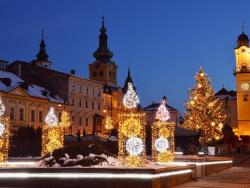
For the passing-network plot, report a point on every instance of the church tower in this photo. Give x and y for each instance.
(242, 74)
(42, 56)
(103, 69)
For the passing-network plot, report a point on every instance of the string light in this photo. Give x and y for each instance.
(65, 120)
(108, 123)
(163, 135)
(2, 107)
(52, 132)
(162, 113)
(51, 119)
(130, 100)
(134, 146)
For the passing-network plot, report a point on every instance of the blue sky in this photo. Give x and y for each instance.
(163, 42)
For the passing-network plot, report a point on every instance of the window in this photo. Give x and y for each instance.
(21, 114)
(80, 121)
(94, 74)
(60, 116)
(99, 93)
(32, 115)
(109, 73)
(12, 113)
(87, 122)
(93, 105)
(80, 89)
(87, 90)
(101, 73)
(86, 104)
(99, 106)
(93, 91)
(40, 114)
(73, 102)
(73, 118)
(73, 87)
(114, 74)
(80, 103)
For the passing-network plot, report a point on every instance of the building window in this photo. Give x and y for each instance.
(245, 97)
(93, 91)
(73, 102)
(93, 105)
(80, 121)
(80, 103)
(73, 118)
(32, 115)
(21, 114)
(101, 73)
(87, 122)
(73, 87)
(99, 93)
(110, 74)
(94, 74)
(86, 104)
(12, 113)
(87, 90)
(114, 74)
(99, 106)
(40, 113)
(60, 116)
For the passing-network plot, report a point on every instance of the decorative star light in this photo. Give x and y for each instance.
(2, 107)
(162, 113)
(131, 99)
(51, 119)
(2, 129)
(134, 146)
(161, 144)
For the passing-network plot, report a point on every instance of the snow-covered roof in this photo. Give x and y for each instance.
(10, 81)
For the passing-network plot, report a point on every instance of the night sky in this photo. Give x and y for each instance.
(163, 42)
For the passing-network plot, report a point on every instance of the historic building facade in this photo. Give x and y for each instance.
(242, 75)
(26, 104)
(82, 98)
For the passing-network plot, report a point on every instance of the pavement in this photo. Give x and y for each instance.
(236, 177)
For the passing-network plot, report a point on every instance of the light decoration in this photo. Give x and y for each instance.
(108, 123)
(134, 146)
(65, 120)
(206, 113)
(51, 119)
(130, 99)
(131, 131)
(53, 132)
(163, 135)
(4, 134)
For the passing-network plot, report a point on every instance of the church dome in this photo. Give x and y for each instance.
(243, 40)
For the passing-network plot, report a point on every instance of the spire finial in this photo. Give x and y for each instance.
(103, 21)
(242, 26)
(42, 31)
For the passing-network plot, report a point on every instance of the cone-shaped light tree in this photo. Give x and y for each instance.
(204, 112)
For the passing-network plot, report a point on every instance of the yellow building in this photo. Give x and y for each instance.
(26, 104)
(242, 74)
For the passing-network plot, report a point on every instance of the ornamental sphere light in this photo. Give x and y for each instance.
(161, 144)
(134, 146)
(51, 119)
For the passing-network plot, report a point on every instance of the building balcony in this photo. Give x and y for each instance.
(243, 69)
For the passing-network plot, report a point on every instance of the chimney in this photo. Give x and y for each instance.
(72, 71)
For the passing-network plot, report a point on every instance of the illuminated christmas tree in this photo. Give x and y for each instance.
(131, 99)
(65, 120)
(203, 110)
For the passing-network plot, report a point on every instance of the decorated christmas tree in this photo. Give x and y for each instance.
(203, 110)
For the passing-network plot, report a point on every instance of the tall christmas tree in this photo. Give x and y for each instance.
(203, 110)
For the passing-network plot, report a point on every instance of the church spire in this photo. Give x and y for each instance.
(42, 54)
(103, 53)
(128, 80)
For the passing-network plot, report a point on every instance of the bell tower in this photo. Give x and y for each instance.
(103, 69)
(242, 74)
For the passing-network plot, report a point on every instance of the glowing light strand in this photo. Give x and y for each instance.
(130, 100)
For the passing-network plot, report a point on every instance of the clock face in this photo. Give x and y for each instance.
(244, 86)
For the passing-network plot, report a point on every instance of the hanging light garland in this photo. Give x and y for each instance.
(163, 135)
(52, 132)
(4, 134)
(131, 131)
